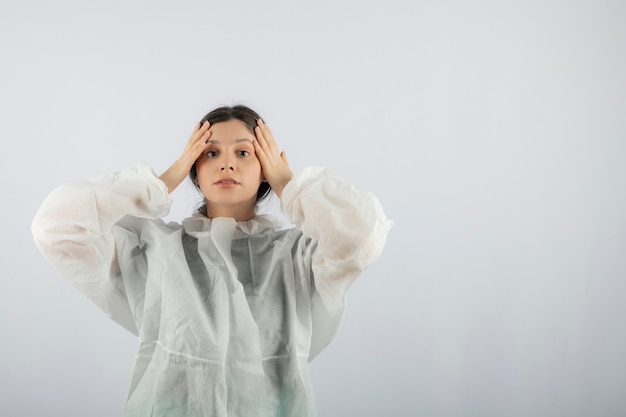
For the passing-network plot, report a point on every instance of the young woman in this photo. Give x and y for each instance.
(228, 306)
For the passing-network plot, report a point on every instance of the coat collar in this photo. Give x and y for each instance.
(199, 224)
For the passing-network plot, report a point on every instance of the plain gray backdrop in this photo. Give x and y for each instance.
(493, 133)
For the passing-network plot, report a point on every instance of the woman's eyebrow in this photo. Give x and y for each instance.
(217, 142)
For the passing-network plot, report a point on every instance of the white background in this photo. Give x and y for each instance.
(493, 133)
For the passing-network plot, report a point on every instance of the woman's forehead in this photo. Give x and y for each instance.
(231, 131)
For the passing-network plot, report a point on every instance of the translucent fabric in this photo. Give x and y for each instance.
(227, 314)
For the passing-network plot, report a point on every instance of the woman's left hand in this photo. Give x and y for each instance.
(273, 163)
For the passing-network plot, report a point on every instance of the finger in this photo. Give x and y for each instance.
(267, 133)
(262, 130)
(204, 140)
(202, 144)
(202, 133)
(260, 137)
(207, 134)
(260, 152)
(267, 142)
(196, 134)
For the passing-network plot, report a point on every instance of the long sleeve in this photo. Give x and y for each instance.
(350, 230)
(73, 229)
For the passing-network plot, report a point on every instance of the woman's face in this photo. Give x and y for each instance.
(229, 172)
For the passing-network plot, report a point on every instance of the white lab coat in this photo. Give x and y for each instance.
(227, 314)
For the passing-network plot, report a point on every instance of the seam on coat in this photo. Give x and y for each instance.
(168, 350)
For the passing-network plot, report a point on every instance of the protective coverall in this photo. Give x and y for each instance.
(227, 313)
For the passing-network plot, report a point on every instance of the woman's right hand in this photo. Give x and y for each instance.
(196, 145)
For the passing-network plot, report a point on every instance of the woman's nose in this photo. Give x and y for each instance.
(227, 166)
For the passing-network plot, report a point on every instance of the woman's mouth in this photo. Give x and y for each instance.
(226, 183)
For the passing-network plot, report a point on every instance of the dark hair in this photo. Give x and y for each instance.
(223, 114)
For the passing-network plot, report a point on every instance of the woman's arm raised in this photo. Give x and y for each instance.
(73, 230)
(349, 228)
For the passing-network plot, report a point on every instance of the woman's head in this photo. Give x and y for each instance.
(230, 154)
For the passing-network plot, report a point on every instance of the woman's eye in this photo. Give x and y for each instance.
(244, 153)
(211, 154)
